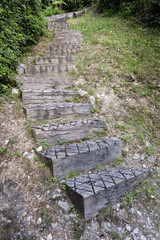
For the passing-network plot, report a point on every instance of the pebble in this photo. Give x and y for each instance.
(139, 213)
(39, 149)
(82, 93)
(55, 196)
(24, 214)
(143, 237)
(29, 218)
(136, 230)
(92, 101)
(25, 154)
(49, 237)
(64, 206)
(30, 157)
(39, 221)
(15, 91)
(132, 210)
(133, 236)
(53, 225)
(144, 166)
(6, 142)
(128, 228)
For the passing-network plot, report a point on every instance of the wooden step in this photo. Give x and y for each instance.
(34, 96)
(57, 110)
(68, 132)
(82, 156)
(42, 69)
(55, 60)
(44, 82)
(92, 192)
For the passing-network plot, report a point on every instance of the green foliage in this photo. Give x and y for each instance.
(146, 11)
(128, 198)
(21, 26)
(74, 5)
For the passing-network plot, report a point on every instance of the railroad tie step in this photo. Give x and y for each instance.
(55, 60)
(44, 82)
(48, 69)
(81, 156)
(34, 96)
(61, 25)
(92, 192)
(63, 48)
(68, 132)
(57, 110)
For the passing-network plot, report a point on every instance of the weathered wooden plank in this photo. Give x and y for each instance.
(35, 96)
(55, 60)
(44, 82)
(92, 192)
(67, 132)
(57, 110)
(81, 156)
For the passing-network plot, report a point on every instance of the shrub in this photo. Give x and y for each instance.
(21, 26)
(145, 11)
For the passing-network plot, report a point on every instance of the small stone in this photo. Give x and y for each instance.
(132, 77)
(139, 213)
(132, 210)
(39, 149)
(58, 190)
(39, 221)
(158, 85)
(144, 166)
(143, 237)
(136, 230)
(29, 218)
(49, 237)
(24, 214)
(133, 236)
(64, 206)
(92, 101)
(152, 196)
(15, 91)
(128, 228)
(47, 206)
(118, 206)
(53, 225)
(142, 157)
(30, 157)
(25, 154)
(6, 142)
(81, 81)
(55, 196)
(82, 93)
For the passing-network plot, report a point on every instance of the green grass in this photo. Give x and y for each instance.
(115, 49)
(134, 50)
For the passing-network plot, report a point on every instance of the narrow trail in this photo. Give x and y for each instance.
(45, 98)
(36, 203)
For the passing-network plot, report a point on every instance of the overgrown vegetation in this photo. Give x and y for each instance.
(21, 26)
(120, 59)
(145, 11)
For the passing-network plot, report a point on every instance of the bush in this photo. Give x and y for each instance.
(145, 11)
(21, 26)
